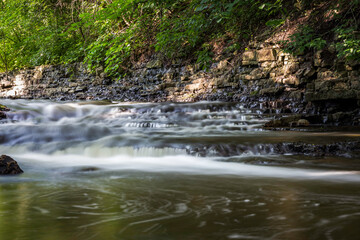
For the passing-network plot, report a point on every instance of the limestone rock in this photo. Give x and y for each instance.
(255, 74)
(266, 54)
(6, 84)
(272, 91)
(249, 55)
(9, 166)
(248, 63)
(291, 80)
(291, 68)
(249, 58)
(223, 65)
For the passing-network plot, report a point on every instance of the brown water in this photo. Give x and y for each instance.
(140, 171)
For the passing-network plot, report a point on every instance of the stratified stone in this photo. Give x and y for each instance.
(272, 91)
(249, 58)
(266, 54)
(9, 166)
(249, 55)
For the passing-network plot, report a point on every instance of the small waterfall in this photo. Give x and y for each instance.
(202, 137)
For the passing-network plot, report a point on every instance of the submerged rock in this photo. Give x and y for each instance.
(2, 109)
(302, 123)
(88, 169)
(289, 121)
(2, 115)
(9, 166)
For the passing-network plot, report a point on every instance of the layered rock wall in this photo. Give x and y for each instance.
(265, 76)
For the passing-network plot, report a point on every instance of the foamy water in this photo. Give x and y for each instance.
(168, 171)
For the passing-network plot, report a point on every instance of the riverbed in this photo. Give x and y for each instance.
(206, 170)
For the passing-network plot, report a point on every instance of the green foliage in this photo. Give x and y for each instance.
(204, 57)
(115, 34)
(275, 22)
(273, 7)
(348, 31)
(32, 33)
(305, 39)
(345, 16)
(348, 45)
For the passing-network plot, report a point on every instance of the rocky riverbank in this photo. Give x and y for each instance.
(320, 87)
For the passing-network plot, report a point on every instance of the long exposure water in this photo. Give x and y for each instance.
(105, 170)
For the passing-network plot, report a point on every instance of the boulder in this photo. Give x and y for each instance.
(9, 166)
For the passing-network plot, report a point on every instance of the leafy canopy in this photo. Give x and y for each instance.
(115, 34)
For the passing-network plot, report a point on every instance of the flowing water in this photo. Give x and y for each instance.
(105, 170)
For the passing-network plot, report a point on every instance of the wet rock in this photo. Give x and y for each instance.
(296, 95)
(344, 149)
(4, 108)
(288, 121)
(88, 169)
(2, 115)
(302, 123)
(9, 166)
(347, 149)
(343, 118)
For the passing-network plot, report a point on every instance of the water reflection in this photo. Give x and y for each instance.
(162, 206)
(169, 171)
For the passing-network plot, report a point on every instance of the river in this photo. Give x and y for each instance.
(108, 170)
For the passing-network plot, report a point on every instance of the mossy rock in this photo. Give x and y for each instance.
(4, 108)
